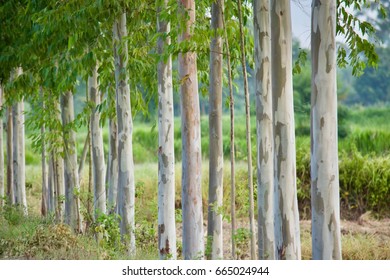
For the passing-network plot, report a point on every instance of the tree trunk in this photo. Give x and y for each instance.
(264, 127)
(51, 186)
(45, 191)
(113, 166)
(248, 137)
(214, 225)
(166, 156)
(232, 152)
(19, 156)
(10, 158)
(287, 216)
(193, 243)
(326, 236)
(98, 165)
(126, 187)
(72, 187)
(1, 152)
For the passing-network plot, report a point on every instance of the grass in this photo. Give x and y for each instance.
(363, 150)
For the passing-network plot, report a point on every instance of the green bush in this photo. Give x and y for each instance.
(364, 184)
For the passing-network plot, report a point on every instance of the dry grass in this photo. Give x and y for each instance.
(35, 238)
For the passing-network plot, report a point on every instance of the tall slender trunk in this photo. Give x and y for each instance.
(10, 158)
(113, 166)
(72, 187)
(51, 186)
(248, 137)
(264, 127)
(1, 152)
(19, 156)
(98, 165)
(286, 214)
(166, 156)
(214, 225)
(126, 187)
(193, 243)
(45, 191)
(326, 236)
(232, 153)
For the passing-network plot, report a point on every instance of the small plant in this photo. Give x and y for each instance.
(242, 240)
(107, 226)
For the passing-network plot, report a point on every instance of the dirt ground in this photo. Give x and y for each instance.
(356, 236)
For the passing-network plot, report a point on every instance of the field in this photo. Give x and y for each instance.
(364, 146)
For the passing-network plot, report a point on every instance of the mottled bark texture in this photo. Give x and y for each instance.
(98, 164)
(112, 174)
(72, 187)
(166, 156)
(10, 158)
(326, 236)
(193, 243)
(126, 187)
(19, 175)
(264, 129)
(214, 225)
(286, 204)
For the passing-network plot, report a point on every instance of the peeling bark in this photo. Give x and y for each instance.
(214, 225)
(326, 236)
(126, 187)
(264, 128)
(193, 243)
(287, 231)
(19, 156)
(10, 158)
(98, 165)
(72, 187)
(113, 166)
(166, 156)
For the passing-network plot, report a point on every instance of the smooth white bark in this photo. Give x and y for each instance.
(19, 156)
(326, 236)
(264, 128)
(10, 158)
(126, 187)
(286, 207)
(98, 164)
(166, 156)
(72, 187)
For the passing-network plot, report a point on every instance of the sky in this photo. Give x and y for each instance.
(300, 15)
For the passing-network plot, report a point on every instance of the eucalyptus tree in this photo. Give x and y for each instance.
(248, 134)
(286, 213)
(326, 236)
(214, 225)
(264, 128)
(98, 164)
(126, 186)
(193, 243)
(72, 187)
(10, 158)
(2, 183)
(166, 157)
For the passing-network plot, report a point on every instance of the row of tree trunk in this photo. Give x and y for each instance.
(278, 217)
